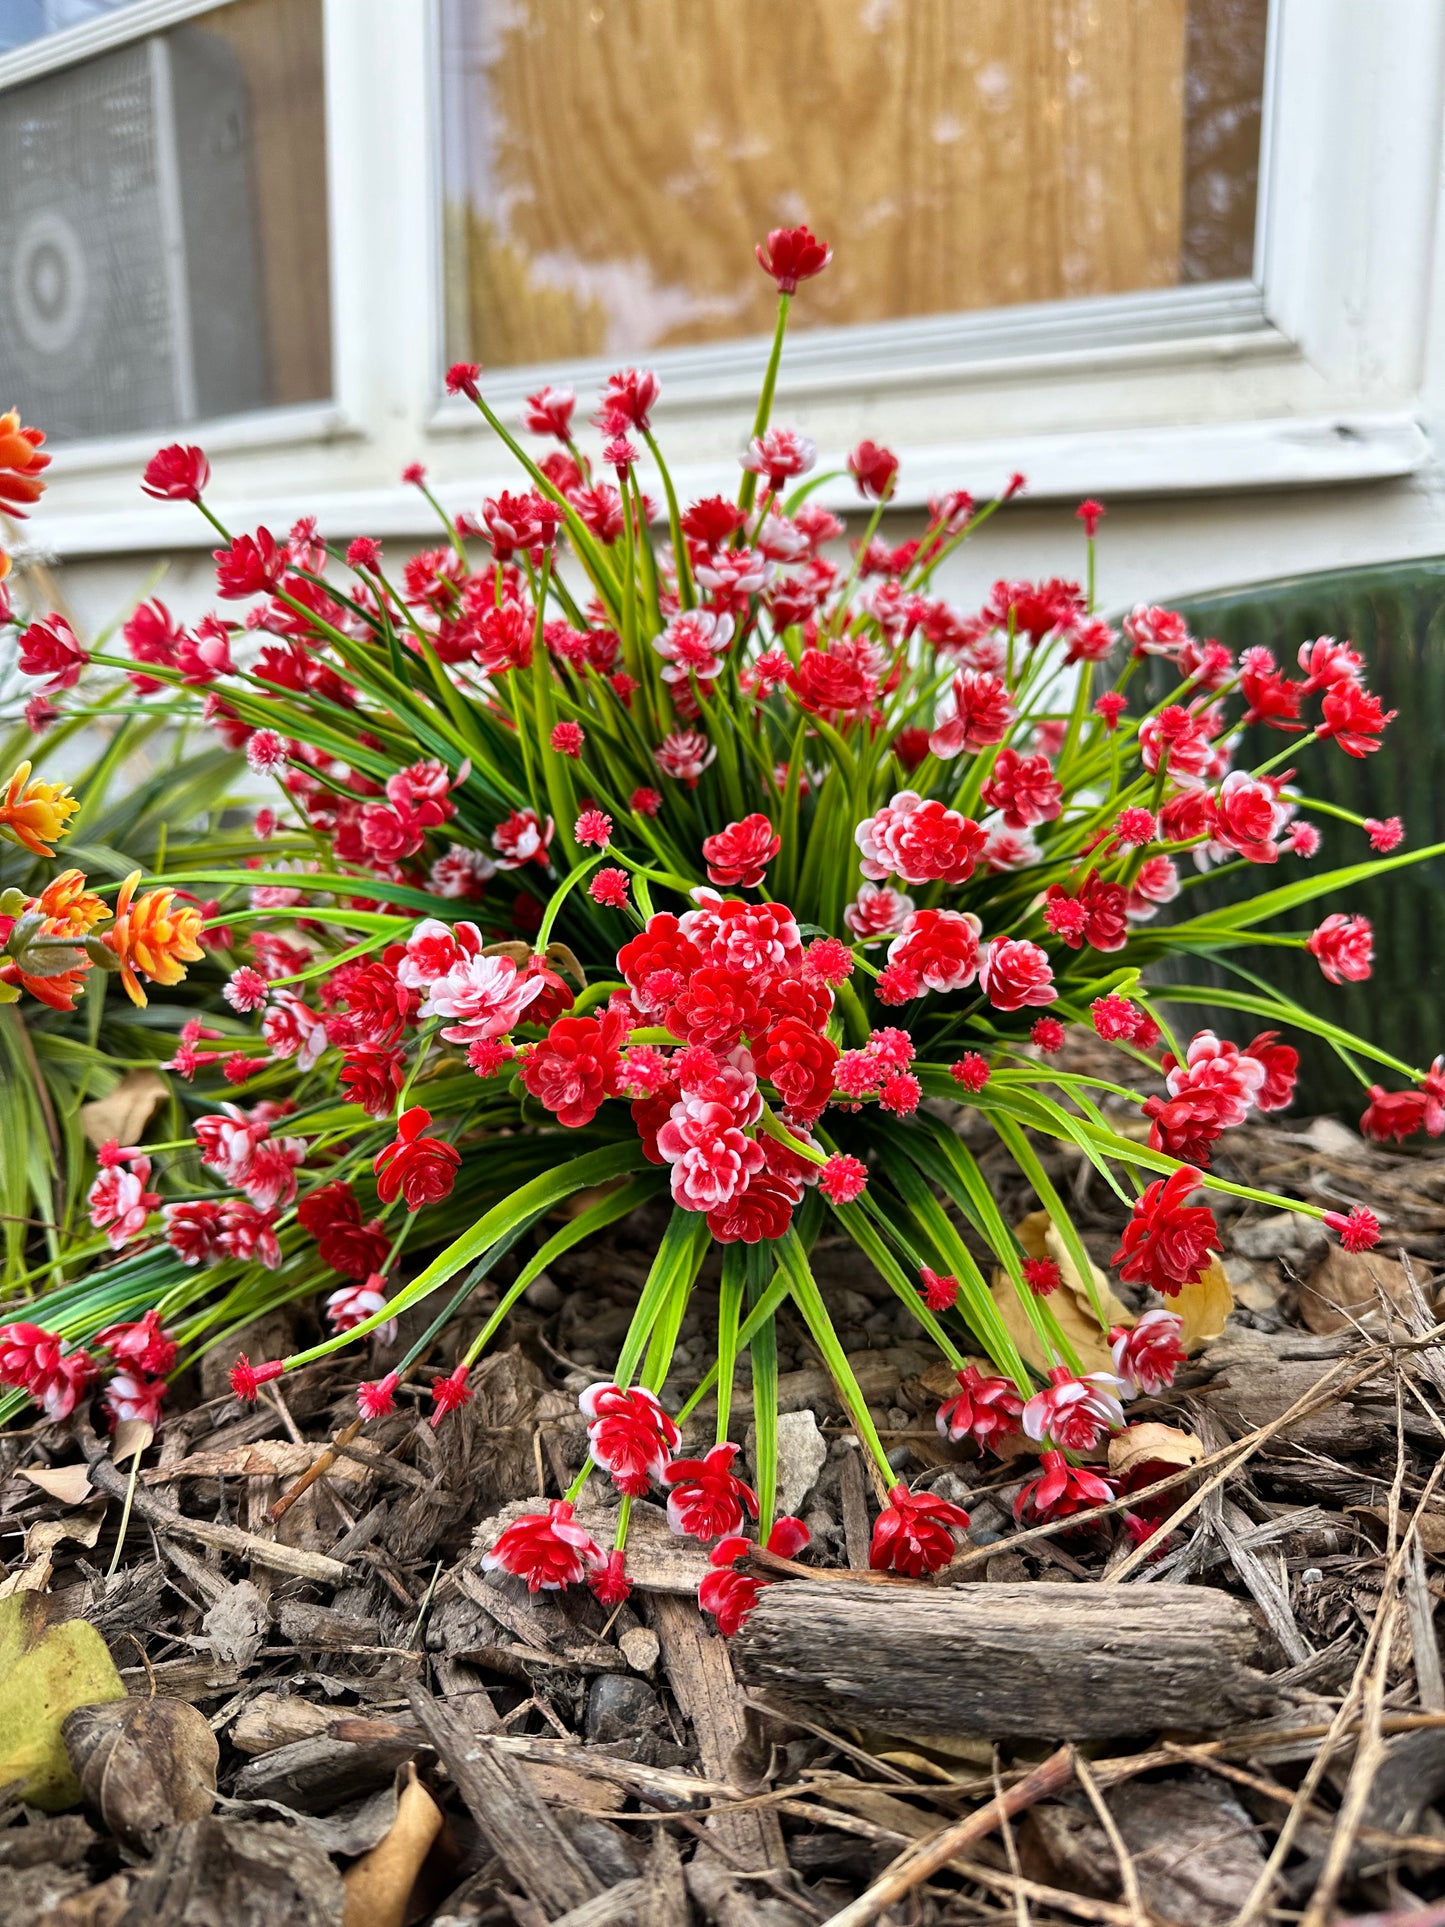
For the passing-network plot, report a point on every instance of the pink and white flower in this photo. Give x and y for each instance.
(481, 997)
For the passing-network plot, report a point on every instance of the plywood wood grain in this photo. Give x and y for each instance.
(610, 163)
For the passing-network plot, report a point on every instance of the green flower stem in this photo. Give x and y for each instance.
(730, 1300)
(748, 491)
(559, 896)
(809, 1300)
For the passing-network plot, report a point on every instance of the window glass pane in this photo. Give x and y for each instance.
(163, 245)
(609, 163)
(22, 21)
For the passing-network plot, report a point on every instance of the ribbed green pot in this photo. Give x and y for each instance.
(1395, 617)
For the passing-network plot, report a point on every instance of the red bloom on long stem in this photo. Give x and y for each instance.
(247, 1379)
(449, 1394)
(419, 1168)
(1167, 1243)
(1354, 717)
(577, 1065)
(940, 1290)
(1344, 947)
(253, 565)
(1357, 1229)
(791, 255)
(984, 1408)
(52, 649)
(176, 474)
(1060, 1490)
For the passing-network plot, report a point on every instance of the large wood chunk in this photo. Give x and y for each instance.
(1001, 1661)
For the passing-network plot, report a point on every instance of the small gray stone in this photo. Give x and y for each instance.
(1281, 1235)
(640, 1647)
(802, 1453)
(542, 1294)
(618, 1705)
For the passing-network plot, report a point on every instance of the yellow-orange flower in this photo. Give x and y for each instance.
(35, 814)
(153, 937)
(69, 908)
(20, 464)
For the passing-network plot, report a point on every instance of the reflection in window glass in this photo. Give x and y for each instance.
(609, 163)
(163, 236)
(22, 21)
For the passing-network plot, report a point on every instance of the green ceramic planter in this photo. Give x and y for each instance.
(1395, 617)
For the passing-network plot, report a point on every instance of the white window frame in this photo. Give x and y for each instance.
(1310, 373)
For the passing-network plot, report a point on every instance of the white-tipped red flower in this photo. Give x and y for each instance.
(1075, 1411)
(1344, 948)
(984, 1408)
(549, 1550)
(1149, 1353)
(918, 841)
(630, 1435)
(706, 1497)
(738, 856)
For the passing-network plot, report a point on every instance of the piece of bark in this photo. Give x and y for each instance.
(290, 1560)
(618, 1908)
(857, 1534)
(316, 1775)
(700, 1674)
(1250, 1395)
(273, 1720)
(238, 1871)
(307, 1625)
(1003, 1661)
(517, 1827)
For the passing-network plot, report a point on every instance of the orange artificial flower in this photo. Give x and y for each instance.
(20, 465)
(69, 908)
(35, 814)
(152, 937)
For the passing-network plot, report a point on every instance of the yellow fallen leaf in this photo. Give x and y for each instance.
(1152, 1444)
(1204, 1306)
(379, 1886)
(46, 1672)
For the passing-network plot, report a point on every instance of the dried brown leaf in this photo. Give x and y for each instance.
(1152, 1444)
(70, 1484)
(379, 1886)
(1345, 1288)
(1070, 1304)
(143, 1765)
(126, 1112)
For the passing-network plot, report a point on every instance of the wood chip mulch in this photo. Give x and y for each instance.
(1240, 1721)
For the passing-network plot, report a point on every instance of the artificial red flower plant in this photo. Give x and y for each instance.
(709, 869)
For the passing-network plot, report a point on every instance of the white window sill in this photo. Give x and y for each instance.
(308, 423)
(1290, 452)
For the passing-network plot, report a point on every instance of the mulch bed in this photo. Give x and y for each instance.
(862, 1751)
